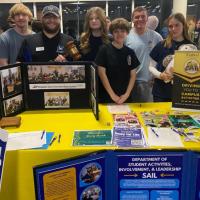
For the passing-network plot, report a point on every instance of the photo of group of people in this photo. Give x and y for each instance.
(92, 193)
(11, 81)
(56, 73)
(13, 105)
(90, 173)
(56, 100)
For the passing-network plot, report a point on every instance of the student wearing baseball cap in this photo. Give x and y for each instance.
(48, 45)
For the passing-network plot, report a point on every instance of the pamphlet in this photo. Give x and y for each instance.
(183, 121)
(128, 137)
(129, 120)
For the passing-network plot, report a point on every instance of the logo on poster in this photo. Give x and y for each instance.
(192, 67)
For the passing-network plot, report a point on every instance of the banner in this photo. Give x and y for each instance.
(186, 85)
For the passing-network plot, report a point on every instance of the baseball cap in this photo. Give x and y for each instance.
(51, 9)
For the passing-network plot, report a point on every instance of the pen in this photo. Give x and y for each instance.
(154, 132)
(52, 141)
(176, 131)
(59, 137)
(43, 132)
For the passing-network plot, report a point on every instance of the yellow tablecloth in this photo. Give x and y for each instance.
(18, 181)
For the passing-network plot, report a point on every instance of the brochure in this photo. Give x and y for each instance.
(128, 137)
(183, 121)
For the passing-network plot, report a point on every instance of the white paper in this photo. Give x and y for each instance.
(165, 137)
(118, 109)
(26, 140)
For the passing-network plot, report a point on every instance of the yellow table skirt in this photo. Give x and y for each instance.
(18, 181)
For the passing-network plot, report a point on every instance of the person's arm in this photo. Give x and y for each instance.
(125, 96)
(106, 84)
(153, 70)
(160, 75)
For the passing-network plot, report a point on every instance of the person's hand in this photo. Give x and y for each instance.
(166, 77)
(60, 58)
(123, 98)
(115, 98)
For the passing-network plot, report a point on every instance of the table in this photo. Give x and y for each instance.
(18, 181)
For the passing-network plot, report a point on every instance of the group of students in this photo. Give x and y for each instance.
(128, 62)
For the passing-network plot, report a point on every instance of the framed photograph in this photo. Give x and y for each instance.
(56, 100)
(13, 105)
(56, 77)
(11, 81)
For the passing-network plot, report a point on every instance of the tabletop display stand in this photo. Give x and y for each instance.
(36, 86)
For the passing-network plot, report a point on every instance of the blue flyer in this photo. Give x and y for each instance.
(150, 176)
(3, 142)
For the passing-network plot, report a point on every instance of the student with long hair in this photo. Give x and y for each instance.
(95, 33)
(162, 54)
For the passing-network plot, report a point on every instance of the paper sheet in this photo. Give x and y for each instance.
(26, 140)
(118, 109)
(164, 137)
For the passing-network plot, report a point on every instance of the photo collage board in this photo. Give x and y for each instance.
(38, 86)
(120, 175)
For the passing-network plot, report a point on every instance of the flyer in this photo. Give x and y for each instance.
(129, 137)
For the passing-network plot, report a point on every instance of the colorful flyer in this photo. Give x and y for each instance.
(3, 142)
(186, 82)
(156, 120)
(129, 120)
(183, 121)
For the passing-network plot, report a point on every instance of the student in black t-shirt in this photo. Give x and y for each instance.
(48, 45)
(116, 66)
(95, 33)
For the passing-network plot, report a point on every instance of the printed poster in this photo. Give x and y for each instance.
(150, 177)
(186, 85)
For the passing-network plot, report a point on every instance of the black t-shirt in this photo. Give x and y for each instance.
(118, 64)
(160, 54)
(94, 44)
(39, 48)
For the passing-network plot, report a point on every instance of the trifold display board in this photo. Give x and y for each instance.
(33, 86)
(120, 175)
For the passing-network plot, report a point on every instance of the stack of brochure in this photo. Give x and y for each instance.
(127, 131)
